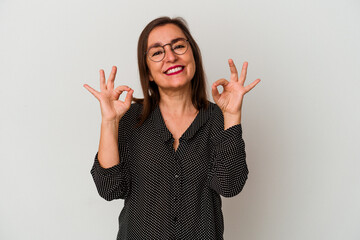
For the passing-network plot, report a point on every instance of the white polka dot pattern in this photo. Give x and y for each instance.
(174, 194)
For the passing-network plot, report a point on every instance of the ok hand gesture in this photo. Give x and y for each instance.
(111, 107)
(230, 100)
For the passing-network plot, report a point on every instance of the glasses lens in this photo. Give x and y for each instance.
(180, 47)
(156, 53)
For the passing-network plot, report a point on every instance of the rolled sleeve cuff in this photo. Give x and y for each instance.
(106, 171)
(226, 135)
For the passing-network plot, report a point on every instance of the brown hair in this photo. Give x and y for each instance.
(150, 89)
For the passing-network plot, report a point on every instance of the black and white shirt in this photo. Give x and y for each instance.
(174, 194)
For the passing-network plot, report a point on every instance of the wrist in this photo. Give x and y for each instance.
(110, 120)
(233, 116)
(231, 119)
(110, 123)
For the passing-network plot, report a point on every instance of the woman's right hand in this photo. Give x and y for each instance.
(112, 109)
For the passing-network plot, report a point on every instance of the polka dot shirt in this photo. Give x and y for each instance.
(173, 194)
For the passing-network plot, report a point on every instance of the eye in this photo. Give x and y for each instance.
(156, 53)
(178, 46)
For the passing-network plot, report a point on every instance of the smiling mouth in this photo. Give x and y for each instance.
(174, 70)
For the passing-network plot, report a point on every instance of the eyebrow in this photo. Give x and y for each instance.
(158, 44)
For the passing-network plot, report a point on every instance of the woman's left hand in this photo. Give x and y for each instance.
(230, 100)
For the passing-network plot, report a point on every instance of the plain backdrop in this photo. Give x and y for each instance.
(301, 123)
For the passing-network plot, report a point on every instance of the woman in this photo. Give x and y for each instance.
(172, 154)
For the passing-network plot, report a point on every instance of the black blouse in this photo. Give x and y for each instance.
(174, 194)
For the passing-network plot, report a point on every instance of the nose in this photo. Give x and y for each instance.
(169, 54)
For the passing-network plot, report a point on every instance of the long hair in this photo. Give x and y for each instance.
(150, 89)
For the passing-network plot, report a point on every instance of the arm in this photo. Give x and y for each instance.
(112, 110)
(229, 171)
(108, 169)
(108, 144)
(114, 182)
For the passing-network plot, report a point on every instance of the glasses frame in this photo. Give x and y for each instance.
(170, 44)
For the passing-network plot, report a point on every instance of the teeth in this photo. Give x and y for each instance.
(174, 70)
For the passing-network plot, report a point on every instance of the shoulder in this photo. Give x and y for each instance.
(214, 111)
(216, 118)
(132, 115)
(135, 109)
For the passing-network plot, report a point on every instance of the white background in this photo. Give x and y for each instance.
(301, 123)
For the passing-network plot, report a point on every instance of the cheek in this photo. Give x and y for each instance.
(193, 66)
(151, 70)
(192, 60)
(154, 66)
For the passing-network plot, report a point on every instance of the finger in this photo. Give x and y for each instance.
(102, 80)
(122, 88)
(222, 82)
(234, 73)
(128, 98)
(243, 73)
(215, 92)
(252, 85)
(110, 82)
(92, 91)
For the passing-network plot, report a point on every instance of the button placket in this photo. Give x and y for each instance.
(177, 183)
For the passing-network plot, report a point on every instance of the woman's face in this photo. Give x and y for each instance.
(174, 72)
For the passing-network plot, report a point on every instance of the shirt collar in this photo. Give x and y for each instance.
(200, 119)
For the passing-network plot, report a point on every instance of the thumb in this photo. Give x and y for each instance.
(128, 98)
(215, 92)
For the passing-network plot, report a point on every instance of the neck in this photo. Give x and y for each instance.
(176, 103)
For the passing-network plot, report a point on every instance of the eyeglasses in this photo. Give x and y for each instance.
(178, 46)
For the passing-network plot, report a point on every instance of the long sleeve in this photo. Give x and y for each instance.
(115, 182)
(111, 183)
(229, 169)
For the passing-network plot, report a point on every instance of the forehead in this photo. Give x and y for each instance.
(164, 34)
